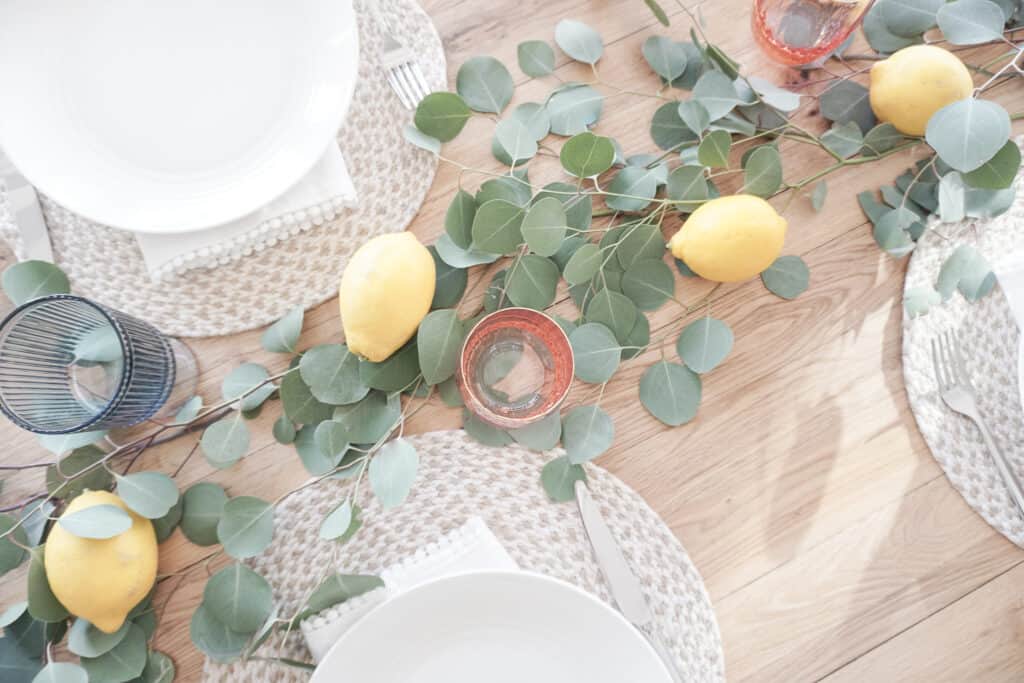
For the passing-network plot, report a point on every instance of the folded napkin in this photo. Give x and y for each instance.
(326, 189)
(470, 547)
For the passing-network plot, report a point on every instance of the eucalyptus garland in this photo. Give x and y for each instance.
(600, 230)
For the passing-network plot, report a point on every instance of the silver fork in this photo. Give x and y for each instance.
(957, 392)
(404, 73)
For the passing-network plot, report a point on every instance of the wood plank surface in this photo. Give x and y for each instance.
(831, 543)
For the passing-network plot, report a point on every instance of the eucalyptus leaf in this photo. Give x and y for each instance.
(689, 186)
(29, 280)
(511, 188)
(910, 17)
(787, 277)
(59, 444)
(542, 435)
(818, 195)
(484, 84)
(76, 472)
(337, 522)
(239, 597)
(159, 668)
(284, 430)
(332, 439)
(516, 140)
(61, 672)
(704, 344)
(881, 139)
(952, 197)
(585, 155)
(613, 310)
(578, 206)
(484, 433)
(246, 526)
(150, 494)
(559, 479)
(459, 257)
(397, 373)
(203, 507)
(880, 37)
(579, 41)
(213, 637)
(716, 92)
(12, 613)
(315, 459)
(15, 665)
(283, 336)
(596, 353)
(43, 605)
(226, 440)
(458, 219)
(917, 300)
(714, 149)
(544, 226)
(762, 172)
(189, 411)
(85, 640)
(965, 269)
(574, 109)
(640, 243)
(497, 227)
(415, 136)
(648, 283)
(536, 58)
(372, 418)
(998, 172)
(124, 662)
(331, 372)
(392, 472)
(773, 95)
(98, 521)
(668, 130)
(970, 22)
(535, 117)
(439, 342)
(299, 403)
(670, 392)
(734, 123)
(666, 58)
(844, 139)
(632, 188)
(968, 133)
(583, 264)
(32, 637)
(11, 553)
(339, 588)
(442, 115)
(587, 432)
(988, 203)
(531, 282)
(450, 394)
(848, 101)
(165, 526)
(245, 378)
(694, 115)
(892, 231)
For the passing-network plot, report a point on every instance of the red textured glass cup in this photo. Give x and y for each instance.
(795, 32)
(516, 367)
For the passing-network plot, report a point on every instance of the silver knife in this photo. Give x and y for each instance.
(28, 215)
(624, 585)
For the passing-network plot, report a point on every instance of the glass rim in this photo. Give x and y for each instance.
(122, 384)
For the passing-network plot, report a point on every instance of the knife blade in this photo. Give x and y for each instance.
(27, 214)
(624, 584)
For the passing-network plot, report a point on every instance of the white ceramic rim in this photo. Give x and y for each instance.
(245, 199)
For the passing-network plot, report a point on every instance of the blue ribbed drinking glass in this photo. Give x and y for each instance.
(68, 364)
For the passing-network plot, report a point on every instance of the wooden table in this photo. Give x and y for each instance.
(831, 543)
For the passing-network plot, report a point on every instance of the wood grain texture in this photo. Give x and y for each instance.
(831, 543)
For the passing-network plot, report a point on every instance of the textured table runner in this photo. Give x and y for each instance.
(391, 178)
(458, 479)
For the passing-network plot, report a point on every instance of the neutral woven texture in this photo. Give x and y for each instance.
(460, 478)
(989, 339)
(391, 177)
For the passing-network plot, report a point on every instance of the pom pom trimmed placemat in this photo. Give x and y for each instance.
(272, 275)
(459, 478)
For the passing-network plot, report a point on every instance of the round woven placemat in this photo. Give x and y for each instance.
(989, 339)
(390, 175)
(460, 478)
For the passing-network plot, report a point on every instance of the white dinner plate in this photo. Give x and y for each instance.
(172, 115)
(493, 627)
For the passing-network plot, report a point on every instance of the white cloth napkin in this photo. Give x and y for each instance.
(1011, 279)
(327, 186)
(470, 547)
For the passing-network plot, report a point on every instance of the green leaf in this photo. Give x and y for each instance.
(212, 636)
(773, 95)
(968, 133)
(648, 283)
(910, 17)
(484, 84)
(449, 283)
(694, 115)
(397, 373)
(337, 522)
(579, 41)
(637, 187)
(532, 282)
(239, 597)
(578, 206)
(11, 554)
(484, 433)
(614, 310)
(59, 444)
(715, 91)
(61, 672)
(583, 264)
(316, 461)
(190, 410)
(892, 231)
(283, 336)
(670, 392)
(848, 101)
(987, 203)
(535, 117)
(536, 58)
(704, 344)
(497, 227)
(31, 637)
(300, 405)
(640, 242)
(442, 115)
(458, 257)
(587, 432)
(66, 480)
(332, 440)
(657, 11)
(666, 58)
(415, 136)
(880, 37)
(559, 479)
(881, 139)
(331, 372)
(917, 300)
(714, 149)
(970, 22)
(339, 588)
(668, 130)
(98, 521)
(371, 419)
(687, 184)
(243, 379)
(515, 140)
(85, 640)
(845, 139)
(29, 280)
(965, 269)
(42, 603)
(762, 172)
(204, 506)
(818, 195)
(542, 435)
(15, 665)
(246, 526)
(544, 226)
(123, 662)
(439, 342)
(392, 472)
(165, 526)
(284, 430)
(226, 440)
(12, 613)
(596, 353)
(638, 338)
(998, 172)
(159, 668)
(586, 155)
(458, 220)
(952, 198)
(787, 277)
(574, 108)
(510, 188)
(150, 494)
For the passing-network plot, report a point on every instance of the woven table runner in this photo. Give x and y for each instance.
(459, 478)
(390, 175)
(989, 340)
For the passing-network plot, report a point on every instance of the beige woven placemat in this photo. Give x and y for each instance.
(391, 177)
(459, 478)
(989, 339)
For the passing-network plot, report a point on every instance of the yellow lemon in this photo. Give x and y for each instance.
(385, 292)
(914, 83)
(101, 580)
(730, 238)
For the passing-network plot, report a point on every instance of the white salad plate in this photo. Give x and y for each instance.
(170, 116)
(493, 627)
